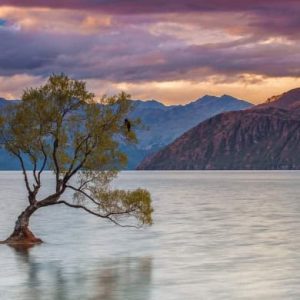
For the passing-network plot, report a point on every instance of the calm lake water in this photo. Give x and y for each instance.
(216, 235)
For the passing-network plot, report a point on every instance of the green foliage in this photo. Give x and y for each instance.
(95, 186)
(60, 126)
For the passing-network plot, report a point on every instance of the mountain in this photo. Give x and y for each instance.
(266, 136)
(161, 124)
(4, 102)
(289, 100)
(8, 162)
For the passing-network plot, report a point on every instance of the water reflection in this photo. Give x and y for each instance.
(129, 278)
(112, 279)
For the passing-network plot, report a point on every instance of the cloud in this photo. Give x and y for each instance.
(248, 87)
(130, 43)
(252, 88)
(12, 87)
(136, 55)
(276, 16)
(154, 6)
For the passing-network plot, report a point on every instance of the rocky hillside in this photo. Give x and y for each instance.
(289, 101)
(264, 137)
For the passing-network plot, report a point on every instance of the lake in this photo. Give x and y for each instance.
(216, 235)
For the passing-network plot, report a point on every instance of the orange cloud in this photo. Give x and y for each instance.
(55, 20)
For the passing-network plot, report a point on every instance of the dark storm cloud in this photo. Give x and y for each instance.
(101, 57)
(23, 52)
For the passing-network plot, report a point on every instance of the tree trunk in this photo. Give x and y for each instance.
(22, 234)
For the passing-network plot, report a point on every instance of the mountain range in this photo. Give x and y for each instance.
(266, 136)
(161, 124)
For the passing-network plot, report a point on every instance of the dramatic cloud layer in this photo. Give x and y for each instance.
(171, 50)
(156, 6)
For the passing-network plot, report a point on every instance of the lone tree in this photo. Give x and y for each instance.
(60, 127)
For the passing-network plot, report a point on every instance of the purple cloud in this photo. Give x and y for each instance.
(260, 37)
(157, 6)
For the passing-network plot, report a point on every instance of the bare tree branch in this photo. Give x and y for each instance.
(83, 193)
(77, 168)
(34, 159)
(18, 155)
(56, 166)
(76, 154)
(85, 183)
(43, 164)
(50, 200)
(95, 214)
(108, 214)
(24, 172)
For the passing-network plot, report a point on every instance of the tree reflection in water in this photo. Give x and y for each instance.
(112, 279)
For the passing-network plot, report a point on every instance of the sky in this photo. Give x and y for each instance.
(172, 51)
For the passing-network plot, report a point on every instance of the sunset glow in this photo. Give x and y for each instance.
(174, 52)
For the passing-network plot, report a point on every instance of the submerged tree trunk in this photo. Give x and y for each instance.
(22, 234)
